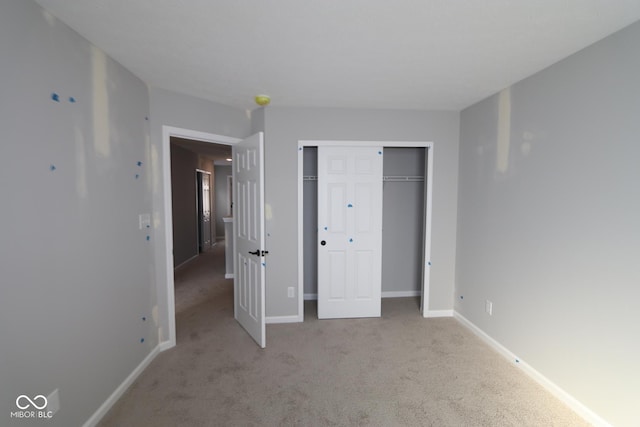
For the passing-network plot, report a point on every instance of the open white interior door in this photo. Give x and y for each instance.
(248, 236)
(349, 231)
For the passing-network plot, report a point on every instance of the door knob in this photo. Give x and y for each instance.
(257, 252)
(323, 242)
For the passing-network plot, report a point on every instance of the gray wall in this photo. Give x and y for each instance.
(402, 221)
(221, 191)
(182, 111)
(550, 233)
(77, 273)
(257, 120)
(285, 126)
(183, 201)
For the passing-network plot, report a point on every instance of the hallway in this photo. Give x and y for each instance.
(202, 291)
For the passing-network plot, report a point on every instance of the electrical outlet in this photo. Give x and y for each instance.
(53, 402)
(488, 307)
(291, 293)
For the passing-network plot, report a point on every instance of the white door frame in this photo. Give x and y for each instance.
(167, 213)
(426, 272)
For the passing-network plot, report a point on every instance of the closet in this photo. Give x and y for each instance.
(403, 221)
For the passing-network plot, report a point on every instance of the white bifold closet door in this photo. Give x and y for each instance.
(349, 231)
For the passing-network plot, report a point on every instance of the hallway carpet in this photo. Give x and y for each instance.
(397, 370)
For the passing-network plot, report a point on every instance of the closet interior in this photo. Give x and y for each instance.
(403, 221)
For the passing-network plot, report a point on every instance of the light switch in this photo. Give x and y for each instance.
(144, 220)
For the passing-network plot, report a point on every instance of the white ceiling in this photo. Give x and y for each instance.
(405, 54)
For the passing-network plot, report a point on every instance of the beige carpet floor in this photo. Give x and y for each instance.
(397, 370)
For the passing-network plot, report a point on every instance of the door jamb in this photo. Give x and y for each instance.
(167, 214)
(426, 272)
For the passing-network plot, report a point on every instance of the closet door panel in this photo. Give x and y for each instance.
(349, 231)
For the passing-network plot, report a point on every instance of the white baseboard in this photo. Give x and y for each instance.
(229, 275)
(400, 294)
(386, 294)
(283, 319)
(439, 313)
(553, 388)
(165, 345)
(182, 264)
(118, 392)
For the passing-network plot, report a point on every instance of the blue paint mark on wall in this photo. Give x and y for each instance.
(144, 319)
(148, 238)
(141, 340)
(72, 99)
(55, 97)
(139, 163)
(380, 152)
(326, 228)
(350, 240)
(349, 205)
(137, 175)
(52, 168)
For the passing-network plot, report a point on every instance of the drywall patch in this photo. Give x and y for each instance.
(51, 20)
(81, 163)
(101, 129)
(504, 130)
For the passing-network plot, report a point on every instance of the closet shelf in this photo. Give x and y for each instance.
(384, 178)
(403, 178)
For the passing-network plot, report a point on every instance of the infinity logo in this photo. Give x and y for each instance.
(33, 403)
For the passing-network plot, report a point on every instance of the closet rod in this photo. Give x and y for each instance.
(384, 178)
